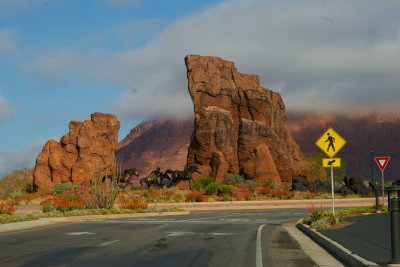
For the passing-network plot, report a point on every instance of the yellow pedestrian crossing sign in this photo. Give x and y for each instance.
(332, 162)
(330, 142)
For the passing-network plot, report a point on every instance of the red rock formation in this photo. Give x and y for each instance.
(87, 150)
(159, 143)
(239, 125)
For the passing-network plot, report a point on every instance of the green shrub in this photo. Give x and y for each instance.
(323, 222)
(313, 217)
(71, 197)
(234, 179)
(252, 183)
(271, 184)
(202, 183)
(61, 188)
(212, 189)
(224, 189)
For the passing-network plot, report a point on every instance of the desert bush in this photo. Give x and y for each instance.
(61, 188)
(265, 190)
(218, 189)
(252, 183)
(202, 183)
(193, 196)
(7, 207)
(133, 204)
(211, 189)
(234, 179)
(323, 222)
(96, 194)
(225, 189)
(271, 184)
(62, 205)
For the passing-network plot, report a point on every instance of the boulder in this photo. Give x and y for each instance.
(321, 186)
(86, 151)
(355, 184)
(300, 183)
(239, 125)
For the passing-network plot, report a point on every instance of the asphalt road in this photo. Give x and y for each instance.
(368, 238)
(207, 238)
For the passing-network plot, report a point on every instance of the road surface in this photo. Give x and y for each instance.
(203, 238)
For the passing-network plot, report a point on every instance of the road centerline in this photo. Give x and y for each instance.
(104, 244)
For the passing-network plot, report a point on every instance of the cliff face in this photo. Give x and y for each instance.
(159, 143)
(87, 150)
(239, 125)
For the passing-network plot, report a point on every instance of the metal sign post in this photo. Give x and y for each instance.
(383, 192)
(330, 143)
(333, 193)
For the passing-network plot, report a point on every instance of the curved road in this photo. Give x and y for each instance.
(203, 238)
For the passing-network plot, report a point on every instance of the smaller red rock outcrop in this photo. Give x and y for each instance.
(87, 150)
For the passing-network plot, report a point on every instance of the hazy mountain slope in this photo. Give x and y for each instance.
(164, 143)
(159, 143)
(362, 132)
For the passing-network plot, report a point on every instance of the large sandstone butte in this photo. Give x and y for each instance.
(239, 125)
(87, 150)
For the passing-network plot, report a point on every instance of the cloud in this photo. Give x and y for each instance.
(8, 43)
(11, 160)
(7, 110)
(325, 56)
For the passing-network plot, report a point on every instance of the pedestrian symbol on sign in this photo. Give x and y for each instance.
(331, 141)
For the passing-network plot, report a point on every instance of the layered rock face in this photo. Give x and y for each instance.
(160, 143)
(239, 125)
(87, 150)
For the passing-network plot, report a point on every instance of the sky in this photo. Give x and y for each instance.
(63, 60)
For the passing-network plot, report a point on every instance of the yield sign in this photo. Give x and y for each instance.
(382, 162)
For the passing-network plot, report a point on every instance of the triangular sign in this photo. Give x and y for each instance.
(382, 162)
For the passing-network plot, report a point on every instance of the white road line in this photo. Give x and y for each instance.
(259, 262)
(80, 233)
(109, 242)
(164, 225)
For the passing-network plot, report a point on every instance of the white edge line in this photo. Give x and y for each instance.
(259, 262)
(109, 242)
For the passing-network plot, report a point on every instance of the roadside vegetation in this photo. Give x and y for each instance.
(97, 197)
(323, 219)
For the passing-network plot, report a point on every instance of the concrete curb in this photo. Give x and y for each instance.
(335, 249)
(24, 225)
(48, 221)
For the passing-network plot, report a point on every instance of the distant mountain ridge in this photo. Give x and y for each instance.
(159, 143)
(164, 143)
